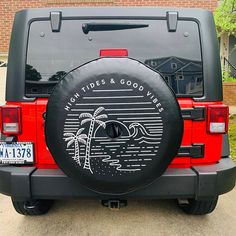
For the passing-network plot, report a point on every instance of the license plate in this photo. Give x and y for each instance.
(16, 153)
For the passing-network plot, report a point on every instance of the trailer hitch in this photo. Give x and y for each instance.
(114, 204)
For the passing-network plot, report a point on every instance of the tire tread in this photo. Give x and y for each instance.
(200, 207)
(42, 207)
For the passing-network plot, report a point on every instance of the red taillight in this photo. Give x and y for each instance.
(113, 53)
(217, 119)
(10, 120)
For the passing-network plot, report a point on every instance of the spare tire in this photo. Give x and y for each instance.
(113, 125)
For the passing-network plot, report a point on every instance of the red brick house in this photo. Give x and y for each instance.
(9, 7)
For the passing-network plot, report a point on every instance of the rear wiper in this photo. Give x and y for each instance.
(110, 26)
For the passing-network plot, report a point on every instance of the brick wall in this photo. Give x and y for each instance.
(229, 89)
(9, 7)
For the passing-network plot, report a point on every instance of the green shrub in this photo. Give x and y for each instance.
(226, 77)
(225, 17)
(230, 79)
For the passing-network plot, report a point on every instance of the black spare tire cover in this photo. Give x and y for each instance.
(113, 125)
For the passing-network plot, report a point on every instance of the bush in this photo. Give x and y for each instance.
(226, 77)
(230, 79)
(225, 17)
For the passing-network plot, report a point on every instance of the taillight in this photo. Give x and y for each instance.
(218, 119)
(10, 120)
(113, 52)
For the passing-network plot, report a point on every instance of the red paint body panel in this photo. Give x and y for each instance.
(212, 142)
(194, 133)
(187, 135)
(46, 157)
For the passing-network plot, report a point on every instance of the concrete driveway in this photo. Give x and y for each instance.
(87, 217)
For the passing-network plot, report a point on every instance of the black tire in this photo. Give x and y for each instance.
(105, 159)
(33, 207)
(199, 207)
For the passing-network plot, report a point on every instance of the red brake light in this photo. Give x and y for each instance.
(113, 53)
(10, 120)
(218, 119)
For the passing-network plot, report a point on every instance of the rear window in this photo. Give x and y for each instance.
(176, 55)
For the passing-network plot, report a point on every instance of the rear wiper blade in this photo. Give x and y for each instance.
(87, 27)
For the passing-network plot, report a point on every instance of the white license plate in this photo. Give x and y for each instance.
(16, 153)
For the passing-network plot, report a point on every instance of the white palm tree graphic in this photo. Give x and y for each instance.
(93, 119)
(76, 139)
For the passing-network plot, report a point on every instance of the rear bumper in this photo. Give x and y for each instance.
(196, 182)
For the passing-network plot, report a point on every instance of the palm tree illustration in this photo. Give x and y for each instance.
(76, 139)
(93, 119)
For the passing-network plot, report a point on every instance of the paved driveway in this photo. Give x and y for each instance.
(86, 217)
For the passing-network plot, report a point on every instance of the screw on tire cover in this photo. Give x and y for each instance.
(113, 125)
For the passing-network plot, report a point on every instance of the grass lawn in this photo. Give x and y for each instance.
(232, 136)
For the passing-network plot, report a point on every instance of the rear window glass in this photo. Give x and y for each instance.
(176, 55)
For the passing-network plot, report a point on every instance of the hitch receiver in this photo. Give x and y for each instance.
(114, 204)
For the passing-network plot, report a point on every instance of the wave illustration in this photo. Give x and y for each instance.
(148, 142)
(116, 164)
(139, 129)
(140, 134)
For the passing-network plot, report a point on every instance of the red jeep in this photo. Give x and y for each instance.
(114, 104)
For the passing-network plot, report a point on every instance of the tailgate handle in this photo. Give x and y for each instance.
(196, 113)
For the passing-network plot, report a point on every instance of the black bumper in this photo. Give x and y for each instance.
(196, 182)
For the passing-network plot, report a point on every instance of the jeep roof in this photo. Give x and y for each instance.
(21, 48)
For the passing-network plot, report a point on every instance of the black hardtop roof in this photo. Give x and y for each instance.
(15, 90)
(117, 11)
